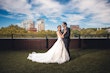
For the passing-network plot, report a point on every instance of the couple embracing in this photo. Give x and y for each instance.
(59, 52)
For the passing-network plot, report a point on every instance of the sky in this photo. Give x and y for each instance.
(85, 13)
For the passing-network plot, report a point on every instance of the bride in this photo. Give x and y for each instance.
(56, 54)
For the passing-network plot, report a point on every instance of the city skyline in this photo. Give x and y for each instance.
(39, 24)
(85, 13)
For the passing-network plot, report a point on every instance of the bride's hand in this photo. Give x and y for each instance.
(62, 36)
(65, 31)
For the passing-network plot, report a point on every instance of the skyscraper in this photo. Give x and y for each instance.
(26, 24)
(32, 28)
(40, 25)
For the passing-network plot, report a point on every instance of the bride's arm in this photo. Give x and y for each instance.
(60, 34)
(64, 33)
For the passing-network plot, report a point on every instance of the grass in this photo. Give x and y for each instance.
(82, 61)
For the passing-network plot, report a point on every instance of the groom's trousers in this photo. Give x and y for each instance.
(67, 42)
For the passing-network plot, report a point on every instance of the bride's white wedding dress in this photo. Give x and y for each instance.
(56, 54)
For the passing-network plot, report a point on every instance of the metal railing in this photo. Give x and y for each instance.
(46, 42)
(33, 36)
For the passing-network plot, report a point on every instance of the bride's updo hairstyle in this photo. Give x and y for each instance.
(58, 26)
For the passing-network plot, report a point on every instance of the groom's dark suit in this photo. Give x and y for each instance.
(66, 39)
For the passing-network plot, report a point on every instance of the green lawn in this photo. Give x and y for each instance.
(82, 61)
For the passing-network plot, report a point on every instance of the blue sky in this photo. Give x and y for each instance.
(85, 13)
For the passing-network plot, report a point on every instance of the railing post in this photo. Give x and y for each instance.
(12, 41)
(107, 36)
(11, 36)
(46, 42)
(79, 36)
(79, 41)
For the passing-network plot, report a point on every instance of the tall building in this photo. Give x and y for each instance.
(74, 27)
(26, 24)
(40, 25)
(32, 28)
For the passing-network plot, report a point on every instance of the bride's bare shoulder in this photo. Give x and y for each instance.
(57, 31)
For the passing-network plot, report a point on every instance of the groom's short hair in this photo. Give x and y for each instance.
(65, 23)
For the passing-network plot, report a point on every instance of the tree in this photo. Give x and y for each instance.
(12, 29)
(75, 33)
(43, 33)
(88, 32)
(101, 32)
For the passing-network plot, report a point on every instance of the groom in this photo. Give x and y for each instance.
(66, 38)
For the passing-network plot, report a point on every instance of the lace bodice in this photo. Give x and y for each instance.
(58, 34)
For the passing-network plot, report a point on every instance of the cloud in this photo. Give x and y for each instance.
(74, 17)
(93, 12)
(8, 16)
(15, 16)
(16, 6)
(48, 8)
(83, 12)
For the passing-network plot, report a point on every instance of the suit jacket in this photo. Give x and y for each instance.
(67, 35)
